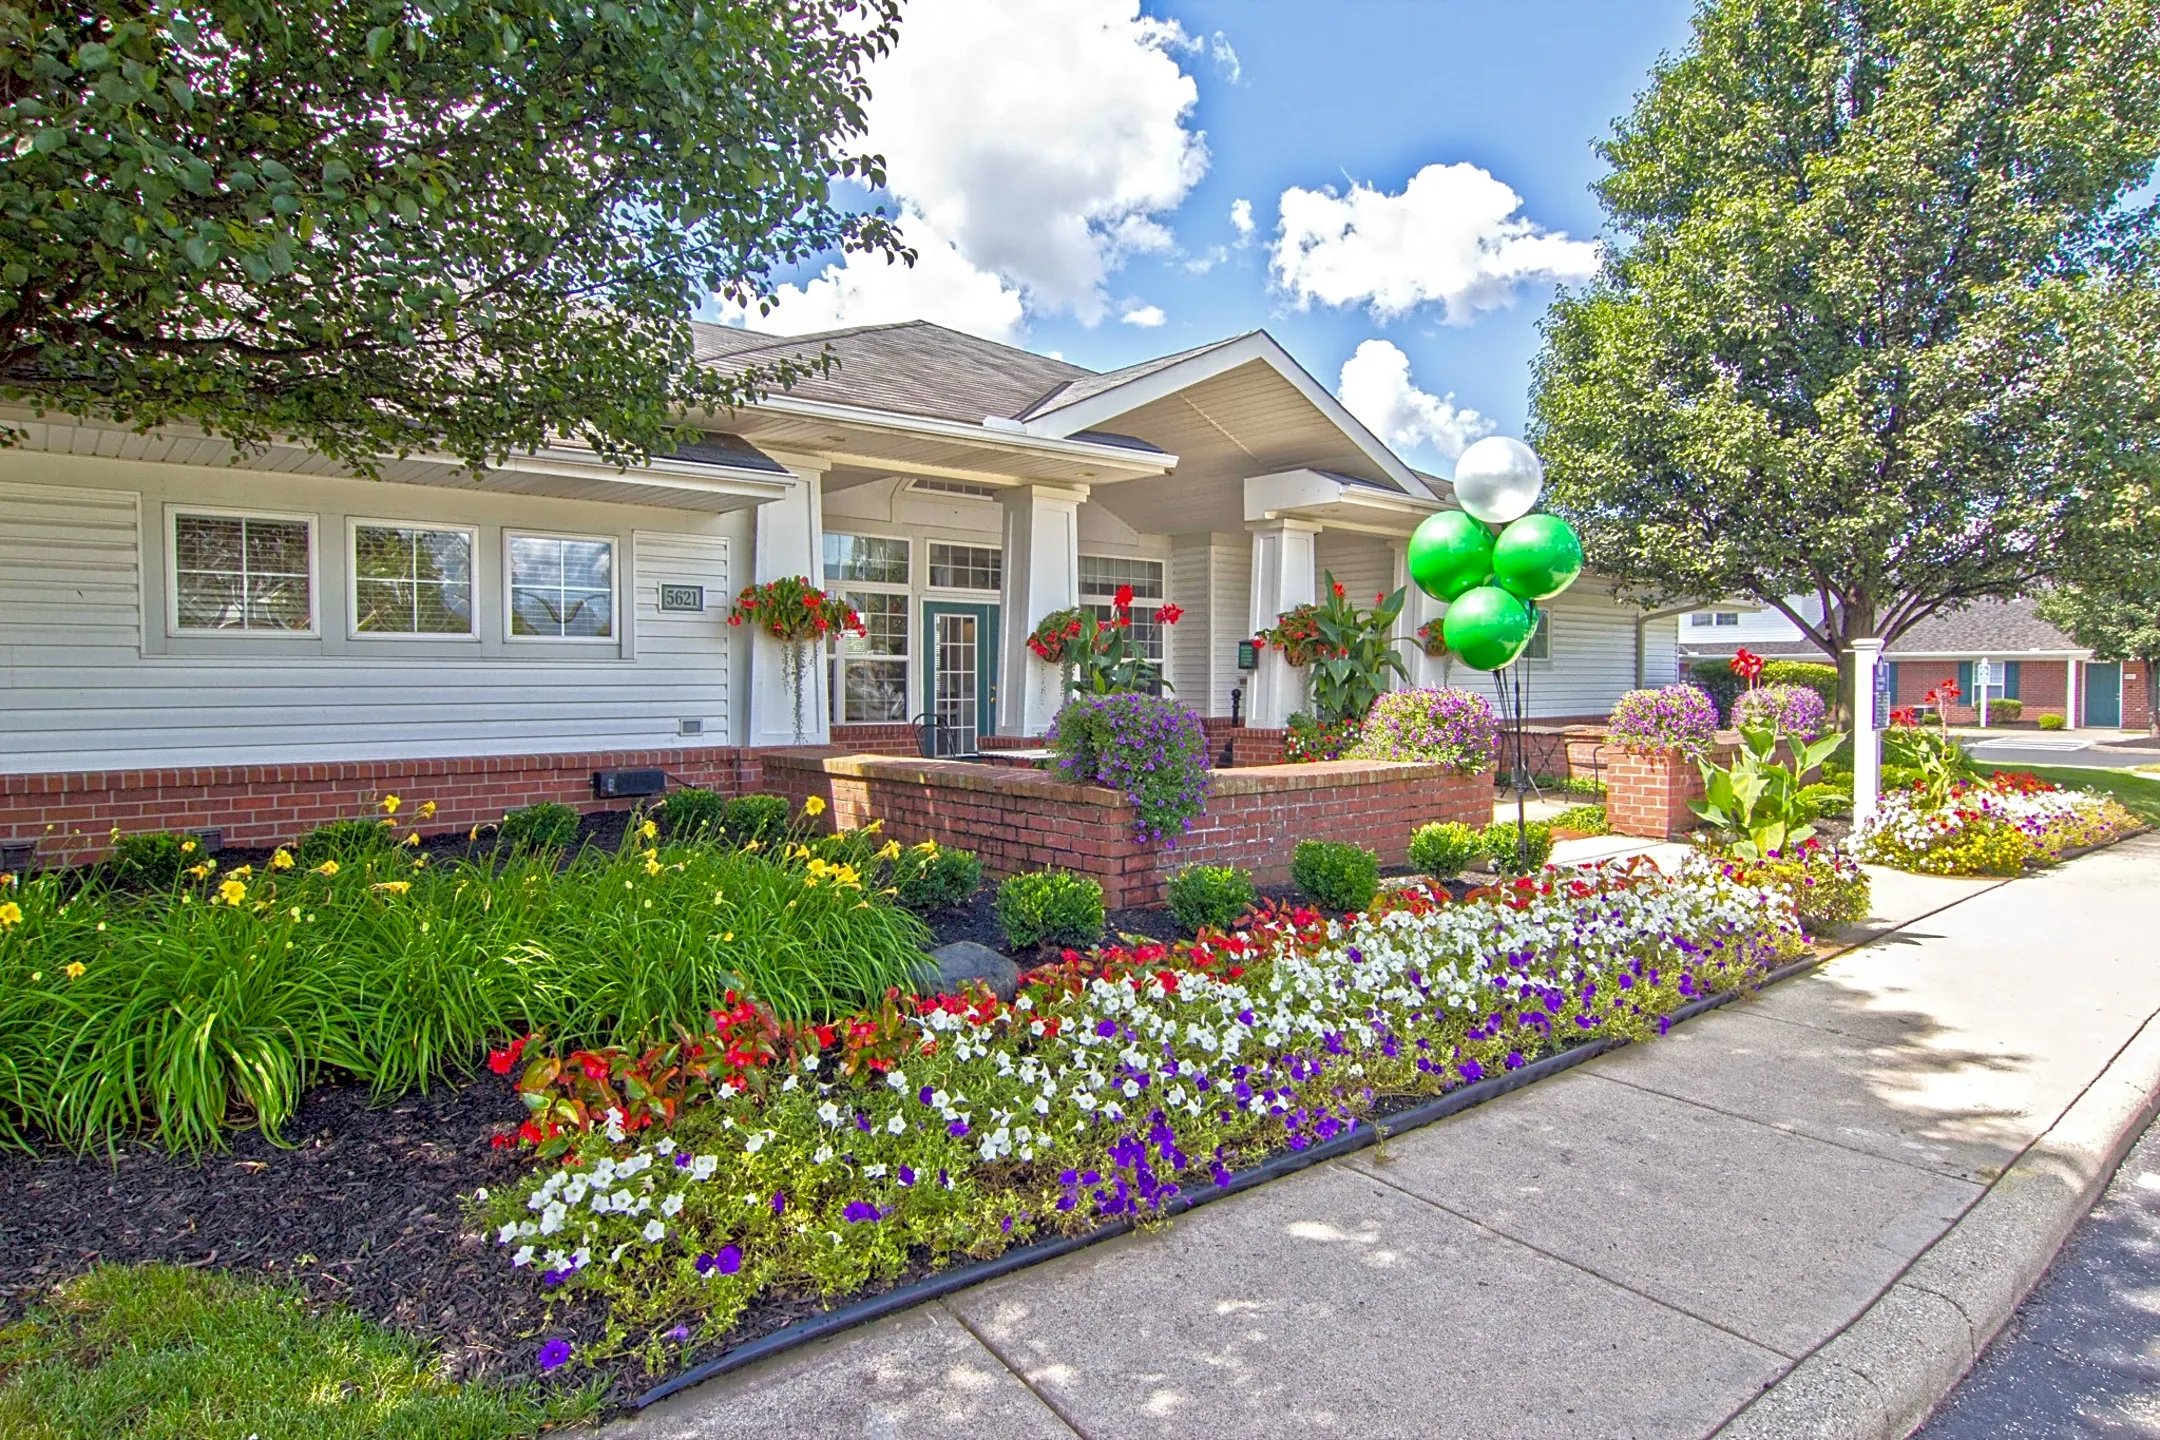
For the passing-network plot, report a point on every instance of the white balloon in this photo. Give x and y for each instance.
(1498, 480)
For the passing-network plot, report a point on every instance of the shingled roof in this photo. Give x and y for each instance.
(912, 368)
(1985, 627)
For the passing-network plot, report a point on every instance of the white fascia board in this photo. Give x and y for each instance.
(1987, 654)
(1122, 457)
(757, 485)
(1287, 492)
(1098, 410)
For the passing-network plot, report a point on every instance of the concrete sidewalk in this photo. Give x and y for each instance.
(1634, 1248)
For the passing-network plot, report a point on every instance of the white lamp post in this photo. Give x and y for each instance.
(1869, 717)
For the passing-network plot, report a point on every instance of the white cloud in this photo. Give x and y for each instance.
(942, 286)
(1041, 140)
(1241, 217)
(1375, 386)
(1452, 238)
(1225, 58)
(1147, 317)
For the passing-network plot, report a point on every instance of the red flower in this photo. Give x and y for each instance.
(500, 1061)
(1746, 664)
(1338, 590)
(1170, 614)
(1124, 596)
(1380, 599)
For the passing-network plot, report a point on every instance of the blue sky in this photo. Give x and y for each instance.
(1070, 167)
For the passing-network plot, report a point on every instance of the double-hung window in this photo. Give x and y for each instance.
(411, 579)
(561, 587)
(1102, 576)
(870, 672)
(236, 572)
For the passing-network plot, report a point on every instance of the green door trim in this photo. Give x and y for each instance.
(986, 658)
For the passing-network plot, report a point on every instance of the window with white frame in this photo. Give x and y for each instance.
(1540, 645)
(870, 672)
(1728, 617)
(562, 587)
(965, 567)
(1102, 576)
(411, 580)
(242, 572)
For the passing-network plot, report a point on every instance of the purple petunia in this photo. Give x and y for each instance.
(907, 1176)
(957, 1129)
(724, 1261)
(779, 1202)
(555, 1352)
(860, 1211)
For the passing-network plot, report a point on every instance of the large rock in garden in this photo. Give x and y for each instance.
(952, 966)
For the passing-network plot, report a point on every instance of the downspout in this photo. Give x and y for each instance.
(1642, 657)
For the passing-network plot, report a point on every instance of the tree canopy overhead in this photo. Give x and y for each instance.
(386, 226)
(1860, 331)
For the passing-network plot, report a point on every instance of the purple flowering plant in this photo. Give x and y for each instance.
(1112, 1083)
(1678, 717)
(1151, 750)
(1432, 724)
(1796, 712)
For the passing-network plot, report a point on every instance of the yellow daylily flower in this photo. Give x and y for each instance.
(10, 914)
(393, 887)
(282, 860)
(412, 839)
(328, 867)
(649, 830)
(187, 847)
(890, 850)
(873, 827)
(73, 969)
(242, 873)
(232, 892)
(815, 805)
(202, 871)
(390, 804)
(427, 809)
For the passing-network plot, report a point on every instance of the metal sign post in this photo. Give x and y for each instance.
(1871, 716)
(1983, 676)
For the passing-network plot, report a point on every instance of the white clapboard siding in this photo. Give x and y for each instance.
(1192, 589)
(1230, 602)
(83, 686)
(1593, 655)
(1364, 565)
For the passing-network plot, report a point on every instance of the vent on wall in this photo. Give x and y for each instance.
(617, 784)
(16, 855)
(690, 727)
(955, 487)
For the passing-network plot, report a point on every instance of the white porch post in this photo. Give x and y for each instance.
(1042, 574)
(788, 539)
(1418, 607)
(1867, 745)
(1283, 577)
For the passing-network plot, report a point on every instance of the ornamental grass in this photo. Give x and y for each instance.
(934, 1132)
(181, 1013)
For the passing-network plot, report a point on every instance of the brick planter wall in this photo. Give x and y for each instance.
(876, 739)
(1026, 820)
(1647, 791)
(72, 816)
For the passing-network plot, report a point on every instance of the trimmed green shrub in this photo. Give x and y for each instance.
(1511, 858)
(930, 877)
(549, 825)
(763, 818)
(1815, 675)
(154, 861)
(1446, 849)
(1584, 819)
(2002, 710)
(691, 813)
(2053, 721)
(346, 841)
(1336, 876)
(1210, 895)
(1822, 799)
(1050, 908)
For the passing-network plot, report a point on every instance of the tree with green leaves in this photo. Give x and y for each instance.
(384, 227)
(1860, 331)
(2116, 621)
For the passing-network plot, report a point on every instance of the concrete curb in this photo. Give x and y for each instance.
(1882, 1375)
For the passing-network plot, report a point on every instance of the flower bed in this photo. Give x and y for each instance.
(1433, 725)
(1678, 717)
(1995, 827)
(1112, 1083)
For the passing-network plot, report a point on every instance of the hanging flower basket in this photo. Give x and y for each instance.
(799, 615)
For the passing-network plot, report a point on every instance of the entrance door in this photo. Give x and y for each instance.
(962, 673)
(2103, 695)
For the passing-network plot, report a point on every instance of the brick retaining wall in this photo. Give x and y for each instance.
(1026, 820)
(1647, 791)
(72, 816)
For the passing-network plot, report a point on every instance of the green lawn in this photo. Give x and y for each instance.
(159, 1353)
(2140, 794)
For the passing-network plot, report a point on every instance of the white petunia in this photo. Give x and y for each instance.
(654, 1232)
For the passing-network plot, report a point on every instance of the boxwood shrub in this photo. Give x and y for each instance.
(1335, 875)
(1050, 909)
(1202, 896)
(932, 877)
(1524, 858)
(763, 818)
(528, 829)
(1446, 849)
(153, 862)
(691, 813)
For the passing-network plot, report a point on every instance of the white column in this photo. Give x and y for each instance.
(1867, 745)
(1418, 607)
(1284, 576)
(2073, 694)
(789, 539)
(1042, 574)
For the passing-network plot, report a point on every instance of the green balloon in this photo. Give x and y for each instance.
(1449, 554)
(1487, 627)
(1536, 557)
